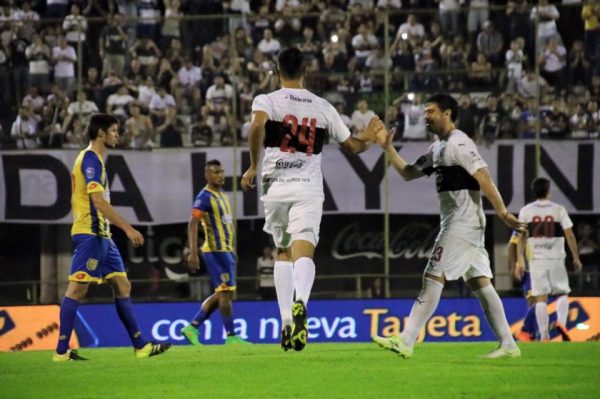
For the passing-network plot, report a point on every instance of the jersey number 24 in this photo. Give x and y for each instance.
(304, 133)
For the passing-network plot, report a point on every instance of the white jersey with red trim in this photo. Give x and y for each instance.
(298, 124)
(546, 223)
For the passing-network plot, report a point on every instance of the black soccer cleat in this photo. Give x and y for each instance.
(299, 333)
(67, 356)
(286, 338)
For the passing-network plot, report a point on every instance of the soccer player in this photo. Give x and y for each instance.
(459, 249)
(548, 224)
(95, 256)
(212, 210)
(292, 123)
(529, 327)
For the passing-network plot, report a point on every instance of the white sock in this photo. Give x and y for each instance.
(422, 309)
(541, 316)
(562, 309)
(304, 276)
(494, 313)
(283, 274)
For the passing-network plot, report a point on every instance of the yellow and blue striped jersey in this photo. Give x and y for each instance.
(216, 220)
(88, 176)
(514, 238)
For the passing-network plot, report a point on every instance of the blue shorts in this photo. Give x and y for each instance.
(221, 268)
(526, 284)
(95, 259)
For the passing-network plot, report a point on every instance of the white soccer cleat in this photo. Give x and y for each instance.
(501, 352)
(395, 344)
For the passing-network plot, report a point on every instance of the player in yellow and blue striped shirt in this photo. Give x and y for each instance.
(95, 255)
(212, 210)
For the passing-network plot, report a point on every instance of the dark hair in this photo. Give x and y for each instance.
(290, 62)
(445, 102)
(213, 162)
(100, 121)
(540, 187)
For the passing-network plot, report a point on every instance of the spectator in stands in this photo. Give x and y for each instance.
(594, 122)
(64, 57)
(288, 26)
(165, 75)
(361, 116)
(189, 77)
(434, 35)
(243, 43)
(557, 121)
(202, 133)
(363, 43)
(548, 15)
(4, 75)
(75, 27)
(50, 133)
(376, 289)
(171, 130)
(118, 103)
(478, 15)
(468, 116)
(492, 117)
(519, 24)
(528, 85)
(82, 109)
(260, 23)
(18, 60)
(147, 52)
(113, 46)
(329, 21)
(264, 274)
(553, 63)
(579, 123)
(57, 8)
(93, 87)
(25, 129)
(39, 56)
(515, 62)
(528, 120)
(148, 18)
(146, 92)
(171, 28)
(589, 251)
(159, 103)
(217, 111)
(411, 30)
(269, 46)
(139, 130)
(426, 64)
(491, 43)
(449, 14)
(580, 67)
(309, 47)
(413, 111)
(454, 57)
(480, 73)
(591, 15)
(33, 100)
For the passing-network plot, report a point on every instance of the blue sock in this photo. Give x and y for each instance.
(228, 324)
(125, 312)
(530, 323)
(68, 312)
(200, 317)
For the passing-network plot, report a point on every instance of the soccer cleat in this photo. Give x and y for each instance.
(68, 355)
(562, 330)
(299, 333)
(190, 333)
(523, 336)
(286, 338)
(151, 349)
(501, 352)
(394, 344)
(234, 339)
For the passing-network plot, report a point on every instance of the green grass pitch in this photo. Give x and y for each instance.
(437, 370)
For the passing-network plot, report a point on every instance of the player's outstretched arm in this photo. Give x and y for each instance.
(572, 243)
(104, 207)
(408, 171)
(366, 136)
(489, 189)
(256, 136)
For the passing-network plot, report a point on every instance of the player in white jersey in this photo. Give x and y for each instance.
(548, 225)
(459, 249)
(292, 124)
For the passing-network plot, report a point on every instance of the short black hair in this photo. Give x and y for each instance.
(540, 187)
(100, 121)
(290, 62)
(213, 162)
(445, 102)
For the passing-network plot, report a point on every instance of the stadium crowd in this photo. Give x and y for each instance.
(176, 72)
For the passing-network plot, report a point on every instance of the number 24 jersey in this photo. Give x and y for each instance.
(298, 124)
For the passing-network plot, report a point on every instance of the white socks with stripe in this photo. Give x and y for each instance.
(494, 313)
(422, 309)
(283, 275)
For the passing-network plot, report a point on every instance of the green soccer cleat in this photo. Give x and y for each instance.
(501, 352)
(67, 356)
(151, 349)
(234, 339)
(394, 344)
(299, 334)
(191, 334)
(286, 338)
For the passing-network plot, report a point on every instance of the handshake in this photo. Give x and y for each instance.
(376, 132)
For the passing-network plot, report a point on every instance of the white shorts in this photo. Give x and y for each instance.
(453, 258)
(291, 221)
(549, 280)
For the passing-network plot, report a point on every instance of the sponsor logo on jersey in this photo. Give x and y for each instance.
(299, 99)
(296, 164)
(89, 173)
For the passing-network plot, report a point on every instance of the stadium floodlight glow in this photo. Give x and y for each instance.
(582, 326)
(404, 36)
(334, 38)
(411, 96)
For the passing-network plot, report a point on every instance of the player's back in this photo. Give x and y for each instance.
(546, 222)
(88, 176)
(298, 125)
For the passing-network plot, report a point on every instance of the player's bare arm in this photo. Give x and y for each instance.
(489, 189)
(572, 243)
(408, 171)
(104, 207)
(366, 136)
(256, 136)
(520, 264)
(193, 258)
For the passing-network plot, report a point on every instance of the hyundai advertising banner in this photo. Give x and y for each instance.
(258, 322)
